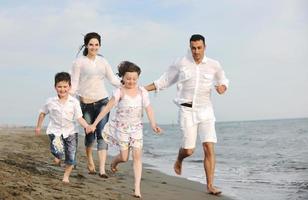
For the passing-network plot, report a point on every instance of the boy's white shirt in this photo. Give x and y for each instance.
(62, 117)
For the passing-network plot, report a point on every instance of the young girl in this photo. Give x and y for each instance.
(125, 130)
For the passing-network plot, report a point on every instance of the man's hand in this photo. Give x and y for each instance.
(221, 89)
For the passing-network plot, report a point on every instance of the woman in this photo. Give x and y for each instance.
(88, 74)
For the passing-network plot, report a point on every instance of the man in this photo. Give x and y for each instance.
(195, 75)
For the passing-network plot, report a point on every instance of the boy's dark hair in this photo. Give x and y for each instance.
(127, 66)
(197, 37)
(62, 76)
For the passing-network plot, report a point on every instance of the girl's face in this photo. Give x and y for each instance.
(93, 47)
(130, 79)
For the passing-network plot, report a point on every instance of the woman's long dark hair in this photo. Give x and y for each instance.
(86, 40)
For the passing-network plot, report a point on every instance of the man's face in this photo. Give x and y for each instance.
(197, 49)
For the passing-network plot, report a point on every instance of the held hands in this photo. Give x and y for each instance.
(220, 89)
(89, 129)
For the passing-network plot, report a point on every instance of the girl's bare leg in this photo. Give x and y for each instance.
(137, 164)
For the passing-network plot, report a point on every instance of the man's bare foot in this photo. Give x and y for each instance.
(178, 167)
(213, 190)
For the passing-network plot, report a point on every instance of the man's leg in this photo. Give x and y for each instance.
(209, 166)
(183, 153)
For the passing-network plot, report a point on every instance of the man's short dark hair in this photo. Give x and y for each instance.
(197, 37)
(62, 76)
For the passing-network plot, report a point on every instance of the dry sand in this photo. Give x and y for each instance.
(27, 172)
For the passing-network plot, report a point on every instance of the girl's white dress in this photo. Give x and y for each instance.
(126, 128)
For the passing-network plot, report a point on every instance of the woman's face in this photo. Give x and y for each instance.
(93, 47)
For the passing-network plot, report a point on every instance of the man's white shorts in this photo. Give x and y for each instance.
(190, 129)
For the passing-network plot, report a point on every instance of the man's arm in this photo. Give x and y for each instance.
(150, 87)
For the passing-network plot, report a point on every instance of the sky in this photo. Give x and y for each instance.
(261, 45)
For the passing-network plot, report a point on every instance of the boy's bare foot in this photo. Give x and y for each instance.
(57, 162)
(212, 190)
(177, 167)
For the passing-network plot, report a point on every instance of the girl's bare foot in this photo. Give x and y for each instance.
(113, 168)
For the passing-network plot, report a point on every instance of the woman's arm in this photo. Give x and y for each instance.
(112, 78)
(75, 75)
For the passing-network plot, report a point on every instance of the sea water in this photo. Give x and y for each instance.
(254, 159)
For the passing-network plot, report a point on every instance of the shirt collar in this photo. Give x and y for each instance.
(86, 57)
(68, 99)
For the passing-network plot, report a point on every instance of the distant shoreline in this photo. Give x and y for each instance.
(6, 125)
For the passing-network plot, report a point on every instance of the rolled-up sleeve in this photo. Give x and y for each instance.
(111, 77)
(221, 77)
(75, 74)
(78, 111)
(44, 109)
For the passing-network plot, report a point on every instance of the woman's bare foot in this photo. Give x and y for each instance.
(91, 169)
(177, 167)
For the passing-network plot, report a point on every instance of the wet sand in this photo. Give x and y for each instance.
(27, 172)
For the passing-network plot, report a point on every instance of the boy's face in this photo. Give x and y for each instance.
(130, 79)
(62, 89)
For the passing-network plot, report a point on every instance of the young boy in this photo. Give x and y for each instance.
(63, 111)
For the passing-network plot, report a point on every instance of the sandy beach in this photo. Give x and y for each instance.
(27, 172)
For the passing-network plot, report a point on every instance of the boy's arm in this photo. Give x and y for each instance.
(39, 123)
(151, 118)
(83, 122)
